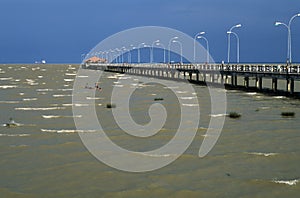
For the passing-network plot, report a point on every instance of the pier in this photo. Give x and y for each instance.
(272, 79)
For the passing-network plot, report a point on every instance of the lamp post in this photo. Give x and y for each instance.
(139, 52)
(151, 59)
(175, 41)
(169, 47)
(230, 30)
(164, 50)
(288, 26)
(207, 46)
(195, 38)
(238, 45)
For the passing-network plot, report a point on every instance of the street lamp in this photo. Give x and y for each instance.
(139, 52)
(164, 50)
(230, 30)
(151, 58)
(238, 45)
(288, 26)
(207, 46)
(175, 41)
(195, 38)
(169, 46)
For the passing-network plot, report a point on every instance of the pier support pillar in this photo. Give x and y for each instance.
(197, 77)
(234, 80)
(190, 74)
(246, 82)
(290, 85)
(259, 83)
(274, 84)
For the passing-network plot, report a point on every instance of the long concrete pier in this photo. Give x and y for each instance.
(273, 79)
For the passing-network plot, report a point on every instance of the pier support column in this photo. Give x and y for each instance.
(246, 82)
(197, 77)
(222, 79)
(190, 74)
(184, 75)
(290, 85)
(259, 83)
(274, 84)
(234, 80)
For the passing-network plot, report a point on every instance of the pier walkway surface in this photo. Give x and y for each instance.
(273, 79)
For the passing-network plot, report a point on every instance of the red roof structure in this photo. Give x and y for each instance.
(95, 59)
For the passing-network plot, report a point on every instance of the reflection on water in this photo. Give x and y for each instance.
(257, 155)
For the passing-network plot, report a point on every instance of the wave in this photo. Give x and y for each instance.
(61, 95)
(82, 76)
(43, 90)
(262, 154)
(5, 79)
(67, 131)
(157, 155)
(94, 98)
(76, 105)
(68, 80)
(39, 108)
(279, 97)
(70, 74)
(187, 98)
(9, 102)
(287, 182)
(64, 89)
(29, 99)
(8, 86)
(60, 116)
(217, 115)
(251, 93)
(190, 105)
(14, 135)
(40, 76)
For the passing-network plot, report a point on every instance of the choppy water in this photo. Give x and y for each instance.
(257, 155)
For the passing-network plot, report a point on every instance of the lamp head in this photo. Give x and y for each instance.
(201, 33)
(278, 23)
(238, 25)
(229, 32)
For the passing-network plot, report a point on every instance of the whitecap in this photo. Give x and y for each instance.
(40, 76)
(39, 108)
(156, 155)
(118, 85)
(14, 135)
(43, 90)
(94, 98)
(8, 86)
(64, 89)
(251, 93)
(190, 105)
(262, 154)
(70, 74)
(187, 98)
(181, 92)
(217, 115)
(287, 182)
(29, 99)
(60, 116)
(5, 79)
(82, 76)
(67, 131)
(61, 95)
(279, 97)
(68, 79)
(9, 102)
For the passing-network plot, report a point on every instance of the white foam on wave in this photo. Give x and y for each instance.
(94, 98)
(287, 182)
(70, 74)
(39, 108)
(190, 105)
(279, 97)
(67, 131)
(68, 80)
(40, 76)
(82, 76)
(43, 90)
(64, 89)
(217, 115)
(8, 86)
(14, 135)
(156, 155)
(187, 98)
(251, 93)
(76, 105)
(61, 95)
(112, 77)
(60, 116)
(29, 99)
(262, 154)
(6, 79)
(9, 102)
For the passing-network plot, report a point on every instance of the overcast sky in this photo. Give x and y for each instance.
(61, 30)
